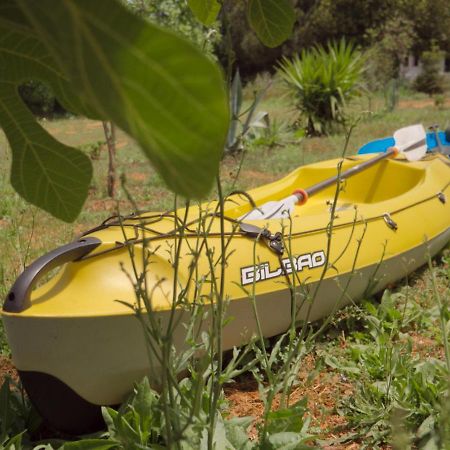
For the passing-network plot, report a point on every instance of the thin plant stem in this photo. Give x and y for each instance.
(219, 320)
(443, 306)
(241, 162)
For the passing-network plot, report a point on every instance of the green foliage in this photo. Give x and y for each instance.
(44, 171)
(183, 18)
(390, 380)
(431, 20)
(137, 425)
(267, 132)
(318, 22)
(16, 417)
(241, 122)
(272, 20)
(125, 71)
(234, 137)
(325, 20)
(322, 80)
(248, 52)
(439, 101)
(391, 94)
(38, 97)
(390, 44)
(93, 149)
(141, 423)
(430, 80)
(105, 63)
(205, 10)
(289, 419)
(275, 374)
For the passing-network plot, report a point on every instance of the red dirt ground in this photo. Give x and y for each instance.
(323, 393)
(7, 369)
(418, 104)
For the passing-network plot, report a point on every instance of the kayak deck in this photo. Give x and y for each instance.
(390, 195)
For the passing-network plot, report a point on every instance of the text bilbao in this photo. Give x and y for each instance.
(261, 272)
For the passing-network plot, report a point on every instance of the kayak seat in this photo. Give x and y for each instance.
(381, 182)
(384, 181)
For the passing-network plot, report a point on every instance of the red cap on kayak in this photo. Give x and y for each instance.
(302, 196)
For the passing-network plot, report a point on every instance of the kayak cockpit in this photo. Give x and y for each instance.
(387, 180)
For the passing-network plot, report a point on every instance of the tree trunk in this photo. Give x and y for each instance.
(110, 136)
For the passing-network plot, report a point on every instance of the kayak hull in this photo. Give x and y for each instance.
(67, 353)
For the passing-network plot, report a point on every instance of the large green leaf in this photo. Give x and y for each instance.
(23, 56)
(205, 10)
(272, 20)
(156, 86)
(105, 63)
(45, 172)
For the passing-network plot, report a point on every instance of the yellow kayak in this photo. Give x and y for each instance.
(75, 344)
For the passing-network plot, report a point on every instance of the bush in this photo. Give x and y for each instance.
(323, 80)
(178, 17)
(389, 46)
(40, 99)
(431, 81)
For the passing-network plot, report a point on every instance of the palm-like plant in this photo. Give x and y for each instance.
(323, 80)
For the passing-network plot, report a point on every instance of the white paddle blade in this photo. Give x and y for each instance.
(411, 141)
(272, 210)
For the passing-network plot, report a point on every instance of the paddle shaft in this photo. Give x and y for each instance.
(344, 175)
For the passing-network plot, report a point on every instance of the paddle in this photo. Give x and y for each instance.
(409, 141)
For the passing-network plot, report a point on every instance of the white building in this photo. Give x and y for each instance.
(413, 67)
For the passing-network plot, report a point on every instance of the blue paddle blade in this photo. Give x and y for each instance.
(381, 145)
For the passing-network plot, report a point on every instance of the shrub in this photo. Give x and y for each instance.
(39, 98)
(389, 46)
(178, 17)
(439, 101)
(430, 81)
(322, 81)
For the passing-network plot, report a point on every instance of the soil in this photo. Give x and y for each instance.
(258, 177)
(106, 204)
(7, 370)
(138, 176)
(94, 125)
(418, 104)
(111, 206)
(121, 144)
(426, 347)
(323, 393)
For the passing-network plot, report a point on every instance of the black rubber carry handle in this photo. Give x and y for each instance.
(18, 298)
